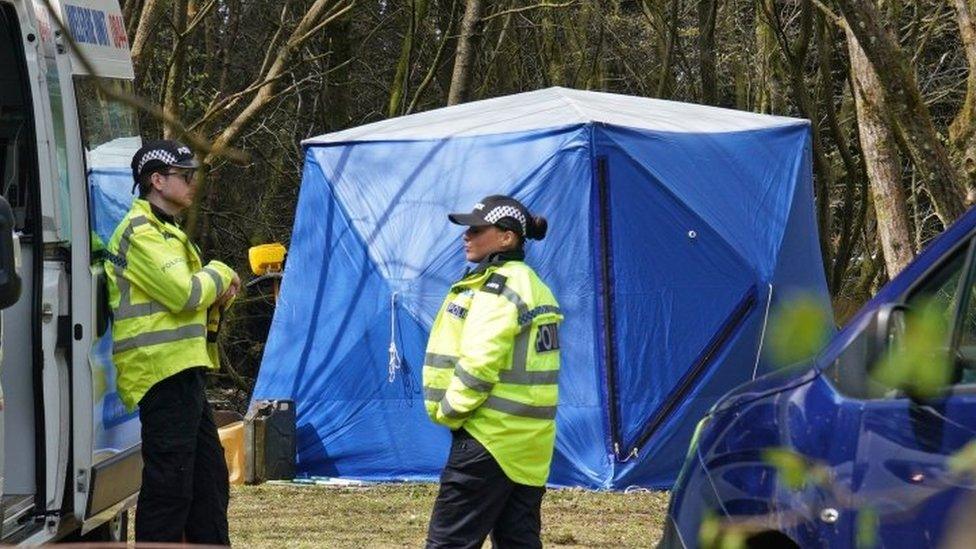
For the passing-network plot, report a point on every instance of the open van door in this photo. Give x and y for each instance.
(101, 137)
(9, 292)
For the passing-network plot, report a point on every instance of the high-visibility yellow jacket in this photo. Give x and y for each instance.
(492, 366)
(160, 293)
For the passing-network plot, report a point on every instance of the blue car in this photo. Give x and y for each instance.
(881, 454)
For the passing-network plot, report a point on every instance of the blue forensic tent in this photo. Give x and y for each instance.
(110, 194)
(672, 228)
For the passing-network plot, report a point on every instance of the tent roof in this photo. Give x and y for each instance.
(556, 107)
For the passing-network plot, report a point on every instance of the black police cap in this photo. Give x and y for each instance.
(501, 211)
(159, 154)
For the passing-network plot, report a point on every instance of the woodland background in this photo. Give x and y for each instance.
(890, 88)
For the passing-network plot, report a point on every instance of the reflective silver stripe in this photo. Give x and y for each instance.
(510, 295)
(520, 351)
(433, 394)
(196, 292)
(451, 412)
(218, 282)
(126, 308)
(540, 377)
(515, 408)
(520, 356)
(434, 360)
(162, 336)
(196, 287)
(471, 381)
(137, 221)
(537, 312)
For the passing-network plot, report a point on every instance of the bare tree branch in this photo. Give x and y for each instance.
(528, 8)
(168, 119)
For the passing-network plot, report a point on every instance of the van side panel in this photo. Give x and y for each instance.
(731, 462)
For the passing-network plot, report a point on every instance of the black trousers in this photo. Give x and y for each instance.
(185, 489)
(476, 497)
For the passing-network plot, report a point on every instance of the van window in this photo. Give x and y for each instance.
(941, 287)
(849, 373)
(110, 133)
(966, 340)
(107, 126)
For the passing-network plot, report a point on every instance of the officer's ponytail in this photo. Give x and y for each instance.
(537, 228)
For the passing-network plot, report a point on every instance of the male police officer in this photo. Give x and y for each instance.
(166, 306)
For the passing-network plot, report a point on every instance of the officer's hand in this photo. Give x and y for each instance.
(231, 291)
(235, 284)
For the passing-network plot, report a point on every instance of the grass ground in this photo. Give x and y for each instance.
(395, 515)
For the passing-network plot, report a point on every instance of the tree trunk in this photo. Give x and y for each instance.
(881, 158)
(401, 81)
(130, 13)
(908, 109)
(962, 134)
(597, 72)
(553, 47)
(335, 100)
(795, 55)
(464, 57)
(494, 71)
(670, 43)
(768, 96)
(447, 27)
(313, 21)
(230, 36)
(152, 10)
(436, 63)
(853, 203)
(706, 50)
(173, 87)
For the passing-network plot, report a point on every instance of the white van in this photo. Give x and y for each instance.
(71, 461)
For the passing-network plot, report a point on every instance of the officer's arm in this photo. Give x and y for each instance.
(164, 275)
(486, 343)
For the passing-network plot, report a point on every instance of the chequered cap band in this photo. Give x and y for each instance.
(499, 212)
(157, 154)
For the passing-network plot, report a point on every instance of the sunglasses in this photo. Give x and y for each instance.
(187, 177)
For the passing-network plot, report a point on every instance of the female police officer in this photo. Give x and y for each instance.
(490, 375)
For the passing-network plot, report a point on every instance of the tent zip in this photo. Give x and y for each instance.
(690, 379)
(606, 275)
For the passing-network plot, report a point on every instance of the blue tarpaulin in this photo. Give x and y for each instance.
(672, 229)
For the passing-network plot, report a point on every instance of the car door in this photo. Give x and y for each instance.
(904, 445)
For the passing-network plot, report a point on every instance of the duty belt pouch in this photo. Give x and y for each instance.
(214, 319)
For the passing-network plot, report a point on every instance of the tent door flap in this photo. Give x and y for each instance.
(691, 377)
(671, 295)
(607, 300)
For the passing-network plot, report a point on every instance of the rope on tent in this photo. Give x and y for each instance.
(630, 455)
(762, 335)
(394, 363)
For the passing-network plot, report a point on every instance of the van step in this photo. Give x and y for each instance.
(15, 508)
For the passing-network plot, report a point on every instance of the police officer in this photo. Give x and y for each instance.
(490, 375)
(166, 305)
